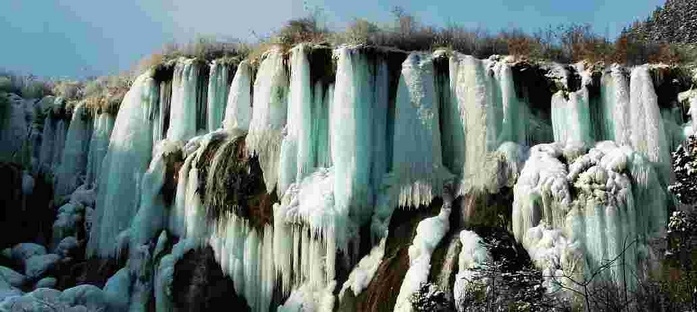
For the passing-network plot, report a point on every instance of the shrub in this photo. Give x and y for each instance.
(430, 298)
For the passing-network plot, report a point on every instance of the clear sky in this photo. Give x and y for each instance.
(78, 38)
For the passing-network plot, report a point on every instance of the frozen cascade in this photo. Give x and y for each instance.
(58, 144)
(417, 163)
(269, 115)
(296, 159)
(307, 130)
(614, 92)
(610, 208)
(127, 158)
(246, 254)
(14, 128)
(73, 166)
(487, 105)
(571, 119)
(647, 129)
(152, 214)
(358, 122)
(182, 118)
(47, 142)
(429, 233)
(238, 111)
(99, 144)
(218, 87)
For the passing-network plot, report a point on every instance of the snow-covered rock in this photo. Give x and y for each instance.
(46, 282)
(37, 266)
(23, 251)
(11, 277)
(87, 295)
(66, 246)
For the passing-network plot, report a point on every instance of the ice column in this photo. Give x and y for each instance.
(269, 115)
(127, 158)
(238, 111)
(417, 163)
(218, 87)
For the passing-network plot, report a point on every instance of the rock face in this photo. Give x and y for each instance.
(199, 284)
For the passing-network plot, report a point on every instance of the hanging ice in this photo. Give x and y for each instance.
(648, 133)
(358, 123)
(614, 91)
(127, 158)
(183, 114)
(238, 111)
(218, 87)
(571, 119)
(269, 115)
(417, 163)
(73, 166)
(99, 143)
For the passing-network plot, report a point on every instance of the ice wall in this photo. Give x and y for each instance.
(358, 123)
(576, 215)
(489, 114)
(417, 165)
(127, 158)
(72, 170)
(270, 109)
(183, 113)
(238, 112)
(14, 128)
(99, 144)
(648, 134)
(218, 87)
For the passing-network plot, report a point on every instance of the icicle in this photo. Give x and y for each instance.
(74, 161)
(320, 130)
(182, 118)
(13, 129)
(47, 142)
(354, 137)
(127, 158)
(238, 111)
(58, 145)
(453, 136)
(648, 134)
(218, 88)
(417, 163)
(99, 143)
(269, 115)
(571, 119)
(479, 112)
(614, 91)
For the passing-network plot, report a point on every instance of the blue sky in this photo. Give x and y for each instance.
(78, 38)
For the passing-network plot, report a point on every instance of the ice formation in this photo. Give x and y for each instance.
(185, 96)
(418, 162)
(358, 123)
(14, 128)
(218, 87)
(573, 217)
(71, 172)
(238, 111)
(99, 144)
(490, 114)
(127, 158)
(270, 109)
(341, 151)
